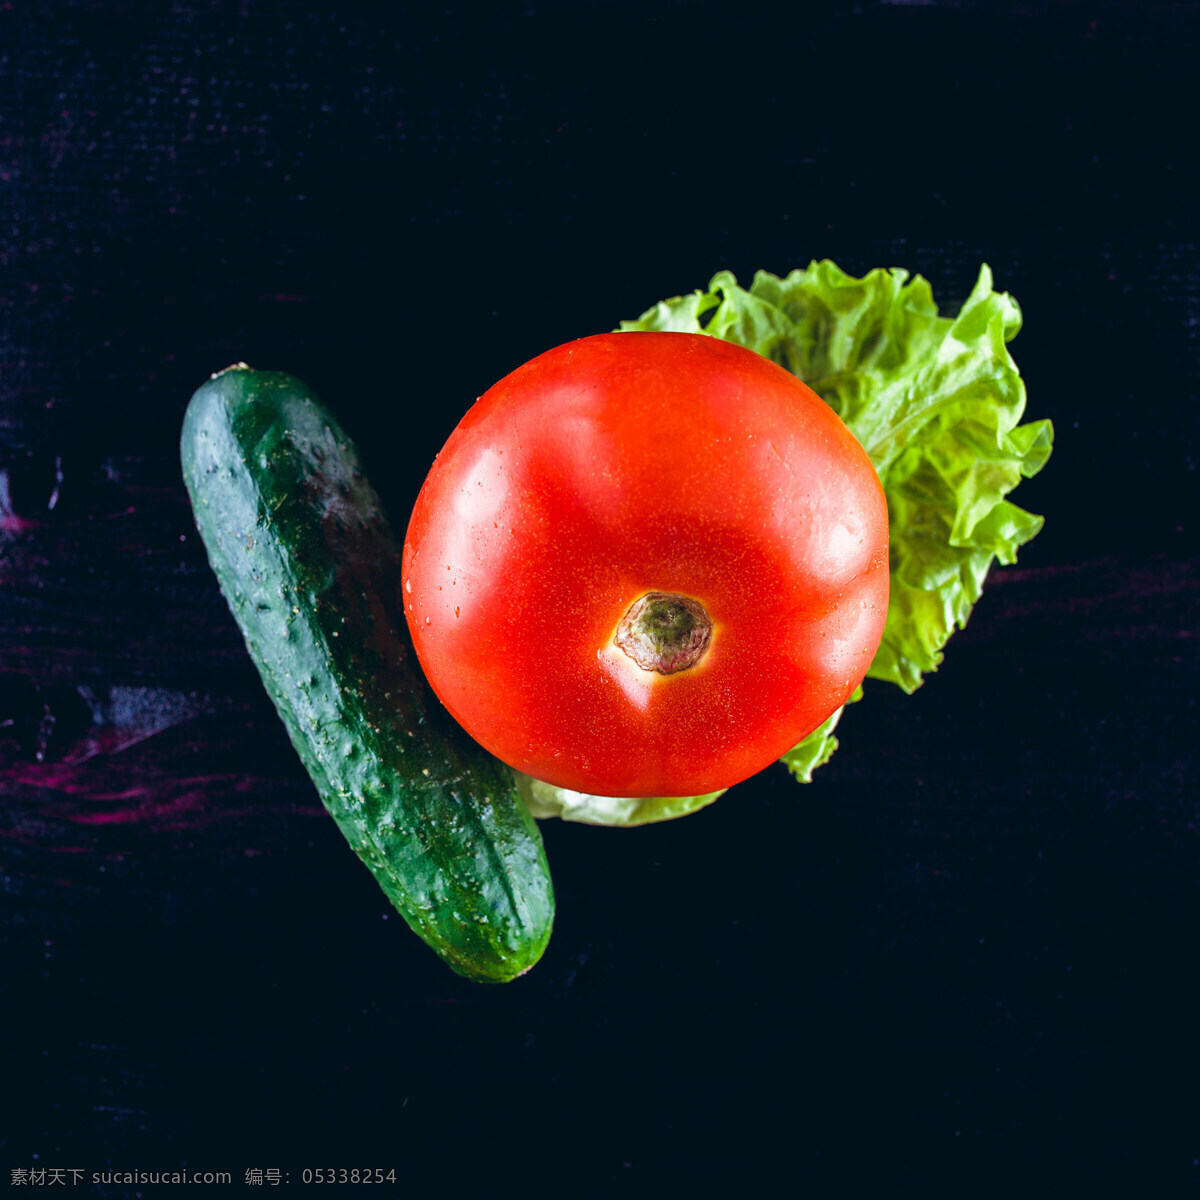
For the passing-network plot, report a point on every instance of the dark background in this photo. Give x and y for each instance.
(962, 959)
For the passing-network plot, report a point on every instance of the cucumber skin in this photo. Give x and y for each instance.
(305, 557)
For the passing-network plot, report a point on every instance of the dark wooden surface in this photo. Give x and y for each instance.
(963, 958)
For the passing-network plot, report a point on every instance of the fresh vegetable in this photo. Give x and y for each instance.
(304, 555)
(935, 401)
(647, 565)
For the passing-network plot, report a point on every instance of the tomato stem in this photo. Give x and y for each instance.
(665, 632)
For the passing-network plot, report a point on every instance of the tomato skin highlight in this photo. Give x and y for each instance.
(628, 463)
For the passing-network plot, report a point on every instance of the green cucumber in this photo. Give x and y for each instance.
(310, 568)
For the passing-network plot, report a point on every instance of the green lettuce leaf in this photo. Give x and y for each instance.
(816, 749)
(935, 401)
(545, 800)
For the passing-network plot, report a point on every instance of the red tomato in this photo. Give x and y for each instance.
(634, 463)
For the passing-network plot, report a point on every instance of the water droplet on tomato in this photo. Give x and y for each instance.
(428, 620)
